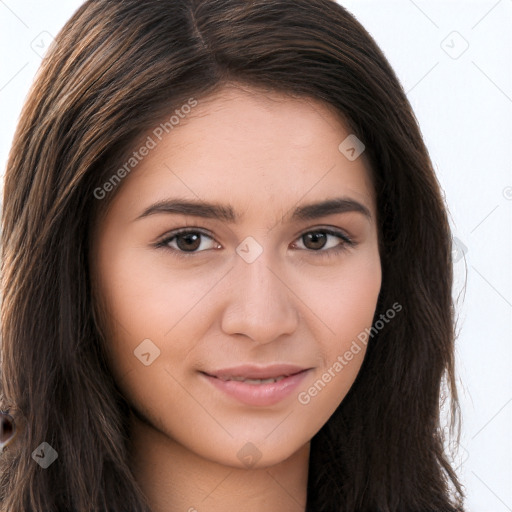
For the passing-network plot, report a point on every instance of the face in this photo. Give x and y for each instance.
(262, 285)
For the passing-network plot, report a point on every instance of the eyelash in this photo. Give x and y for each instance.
(329, 253)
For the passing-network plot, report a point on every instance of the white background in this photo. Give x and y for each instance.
(463, 101)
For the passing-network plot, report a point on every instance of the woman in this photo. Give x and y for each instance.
(258, 371)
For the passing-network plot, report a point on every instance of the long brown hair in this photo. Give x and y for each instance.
(115, 68)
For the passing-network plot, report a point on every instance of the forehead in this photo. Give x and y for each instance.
(262, 150)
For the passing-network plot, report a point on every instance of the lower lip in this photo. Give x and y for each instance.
(259, 394)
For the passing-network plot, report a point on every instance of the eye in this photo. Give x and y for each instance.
(186, 242)
(317, 241)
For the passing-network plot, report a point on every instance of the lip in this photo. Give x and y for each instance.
(258, 394)
(257, 372)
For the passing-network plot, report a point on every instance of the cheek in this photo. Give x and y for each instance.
(150, 300)
(345, 309)
(345, 299)
(128, 286)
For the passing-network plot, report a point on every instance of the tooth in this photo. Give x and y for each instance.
(263, 381)
(258, 381)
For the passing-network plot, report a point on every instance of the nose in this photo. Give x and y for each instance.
(261, 303)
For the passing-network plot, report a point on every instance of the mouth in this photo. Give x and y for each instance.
(255, 382)
(268, 387)
(252, 374)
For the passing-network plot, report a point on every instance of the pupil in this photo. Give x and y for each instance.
(317, 237)
(187, 237)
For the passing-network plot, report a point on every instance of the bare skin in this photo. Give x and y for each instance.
(298, 301)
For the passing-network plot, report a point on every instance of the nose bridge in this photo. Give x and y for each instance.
(260, 305)
(255, 274)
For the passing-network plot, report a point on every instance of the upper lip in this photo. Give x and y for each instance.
(250, 371)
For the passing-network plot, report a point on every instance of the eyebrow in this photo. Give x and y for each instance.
(226, 212)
